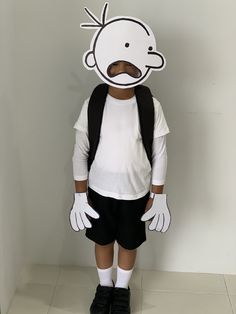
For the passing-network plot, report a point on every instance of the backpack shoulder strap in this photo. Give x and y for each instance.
(146, 117)
(95, 113)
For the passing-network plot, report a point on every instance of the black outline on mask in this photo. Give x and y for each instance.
(157, 54)
(139, 71)
(95, 19)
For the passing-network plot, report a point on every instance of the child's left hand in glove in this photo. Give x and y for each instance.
(158, 212)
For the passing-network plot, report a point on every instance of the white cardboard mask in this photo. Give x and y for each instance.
(126, 39)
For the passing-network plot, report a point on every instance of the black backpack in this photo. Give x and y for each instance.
(95, 113)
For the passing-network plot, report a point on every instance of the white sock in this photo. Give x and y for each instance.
(123, 278)
(105, 277)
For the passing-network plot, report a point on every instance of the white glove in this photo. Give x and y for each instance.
(160, 214)
(80, 209)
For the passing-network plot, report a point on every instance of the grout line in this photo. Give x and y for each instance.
(228, 296)
(141, 274)
(54, 290)
(141, 303)
(186, 291)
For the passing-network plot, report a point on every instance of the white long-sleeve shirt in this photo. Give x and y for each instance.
(121, 168)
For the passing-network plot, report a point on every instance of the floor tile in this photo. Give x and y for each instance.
(71, 299)
(231, 283)
(233, 302)
(183, 282)
(80, 276)
(32, 299)
(184, 303)
(136, 301)
(40, 274)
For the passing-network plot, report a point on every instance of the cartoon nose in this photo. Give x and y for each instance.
(155, 60)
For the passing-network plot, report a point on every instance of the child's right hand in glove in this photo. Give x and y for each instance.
(79, 212)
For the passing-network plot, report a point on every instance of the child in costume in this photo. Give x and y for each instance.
(120, 158)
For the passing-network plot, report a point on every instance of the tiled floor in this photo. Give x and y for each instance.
(68, 290)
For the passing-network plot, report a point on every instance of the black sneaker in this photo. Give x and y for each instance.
(120, 301)
(102, 301)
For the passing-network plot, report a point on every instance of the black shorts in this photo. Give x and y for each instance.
(119, 220)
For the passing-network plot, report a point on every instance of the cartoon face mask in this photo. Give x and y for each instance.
(122, 51)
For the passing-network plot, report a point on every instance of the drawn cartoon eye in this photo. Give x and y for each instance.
(126, 45)
(150, 48)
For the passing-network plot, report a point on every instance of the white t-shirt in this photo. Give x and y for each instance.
(121, 168)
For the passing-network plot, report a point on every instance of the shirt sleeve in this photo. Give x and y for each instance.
(159, 160)
(160, 125)
(80, 156)
(81, 147)
(82, 122)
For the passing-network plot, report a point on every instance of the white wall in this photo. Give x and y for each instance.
(12, 249)
(198, 97)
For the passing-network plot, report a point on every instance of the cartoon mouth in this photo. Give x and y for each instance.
(120, 67)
